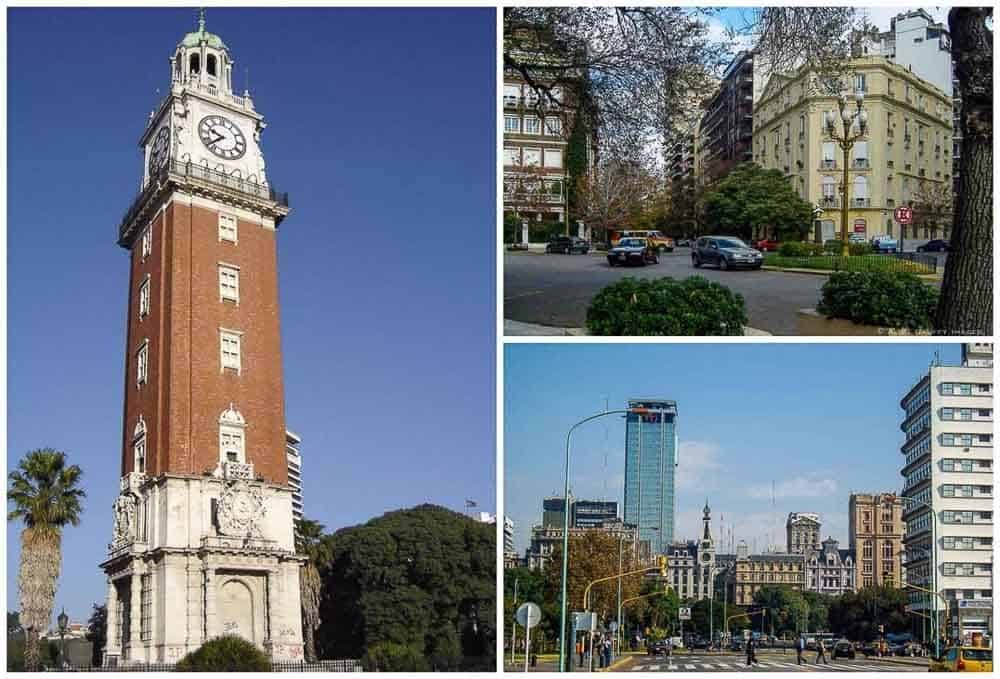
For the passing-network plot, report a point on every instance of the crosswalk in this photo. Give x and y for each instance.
(686, 665)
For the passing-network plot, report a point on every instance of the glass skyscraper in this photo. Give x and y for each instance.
(650, 471)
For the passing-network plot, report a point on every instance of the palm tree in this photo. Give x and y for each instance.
(309, 542)
(45, 494)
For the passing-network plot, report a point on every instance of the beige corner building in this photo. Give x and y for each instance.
(904, 159)
(875, 533)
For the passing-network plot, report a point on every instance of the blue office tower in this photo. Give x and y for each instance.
(650, 471)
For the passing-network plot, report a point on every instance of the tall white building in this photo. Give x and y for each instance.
(917, 43)
(948, 449)
(294, 459)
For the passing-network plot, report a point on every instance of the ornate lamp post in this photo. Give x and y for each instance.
(845, 139)
(63, 621)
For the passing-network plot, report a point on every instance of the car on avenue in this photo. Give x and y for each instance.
(657, 239)
(728, 252)
(567, 245)
(856, 238)
(657, 648)
(633, 251)
(683, 243)
(936, 245)
(843, 649)
(963, 659)
(767, 245)
(883, 243)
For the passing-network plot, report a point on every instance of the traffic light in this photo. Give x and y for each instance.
(661, 561)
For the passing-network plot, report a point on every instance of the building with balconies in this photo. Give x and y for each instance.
(875, 534)
(294, 458)
(802, 532)
(830, 570)
(948, 469)
(904, 159)
(725, 132)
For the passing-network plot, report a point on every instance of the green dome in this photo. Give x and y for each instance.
(195, 38)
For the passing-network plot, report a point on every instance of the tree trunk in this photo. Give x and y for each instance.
(310, 593)
(966, 304)
(36, 582)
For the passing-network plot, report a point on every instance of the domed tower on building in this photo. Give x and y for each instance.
(202, 541)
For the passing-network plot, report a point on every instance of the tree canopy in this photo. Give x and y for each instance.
(421, 578)
(751, 201)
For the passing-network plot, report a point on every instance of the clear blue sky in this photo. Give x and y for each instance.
(382, 129)
(817, 420)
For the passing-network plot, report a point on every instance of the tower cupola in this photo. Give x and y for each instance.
(202, 60)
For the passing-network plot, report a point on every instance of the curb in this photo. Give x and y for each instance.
(522, 329)
(926, 277)
(621, 662)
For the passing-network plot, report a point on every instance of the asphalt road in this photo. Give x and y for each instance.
(555, 290)
(767, 664)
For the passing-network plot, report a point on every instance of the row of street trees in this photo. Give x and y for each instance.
(647, 67)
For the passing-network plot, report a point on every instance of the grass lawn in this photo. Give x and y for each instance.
(856, 263)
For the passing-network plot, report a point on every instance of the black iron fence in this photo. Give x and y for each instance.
(320, 666)
(900, 262)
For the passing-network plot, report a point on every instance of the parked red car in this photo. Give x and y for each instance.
(767, 245)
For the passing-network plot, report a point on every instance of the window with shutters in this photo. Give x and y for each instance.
(229, 282)
(228, 227)
(229, 348)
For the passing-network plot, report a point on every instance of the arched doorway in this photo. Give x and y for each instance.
(236, 610)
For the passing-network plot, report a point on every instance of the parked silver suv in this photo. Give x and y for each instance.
(728, 252)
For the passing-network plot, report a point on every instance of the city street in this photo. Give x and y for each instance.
(555, 290)
(768, 663)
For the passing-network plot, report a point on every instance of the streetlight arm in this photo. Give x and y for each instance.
(586, 591)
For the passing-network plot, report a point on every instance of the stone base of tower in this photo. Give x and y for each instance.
(164, 602)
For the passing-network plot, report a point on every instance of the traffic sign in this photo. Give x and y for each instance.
(528, 615)
(903, 214)
(684, 614)
(586, 621)
(613, 626)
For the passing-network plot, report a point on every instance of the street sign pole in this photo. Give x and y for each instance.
(527, 647)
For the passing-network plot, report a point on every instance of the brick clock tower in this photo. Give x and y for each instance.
(202, 543)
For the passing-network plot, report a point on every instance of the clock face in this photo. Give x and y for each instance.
(222, 137)
(160, 151)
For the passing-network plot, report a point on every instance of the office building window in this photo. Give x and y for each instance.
(142, 363)
(532, 125)
(229, 282)
(227, 227)
(146, 607)
(553, 126)
(144, 297)
(511, 156)
(229, 347)
(532, 157)
(511, 124)
(553, 158)
(231, 443)
(139, 446)
(147, 242)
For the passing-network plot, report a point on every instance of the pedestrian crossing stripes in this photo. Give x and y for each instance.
(769, 665)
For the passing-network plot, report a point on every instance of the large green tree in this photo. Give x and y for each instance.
(857, 615)
(423, 579)
(752, 202)
(44, 494)
(97, 633)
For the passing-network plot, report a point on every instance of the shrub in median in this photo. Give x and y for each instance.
(796, 249)
(225, 654)
(895, 300)
(834, 247)
(694, 306)
(387, 656)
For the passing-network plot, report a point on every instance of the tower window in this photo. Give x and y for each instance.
(229, 282)
(231, 445)
(144, 297)
(227, 227)
(139, 446)
(142, 363)
(147, 242)
(210, 64)
(229, 348)
(195, 64)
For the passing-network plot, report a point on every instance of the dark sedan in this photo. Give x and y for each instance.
(936, 245)
(633, 251)
(567, 245)
(843, 649)
(728, 252)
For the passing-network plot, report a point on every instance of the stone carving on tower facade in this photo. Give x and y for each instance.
(123, 530)
(242, 508)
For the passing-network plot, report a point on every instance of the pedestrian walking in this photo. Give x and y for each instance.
(751, 652)
(607, 651)
(579, 650)
(821, 651)
(800, 646)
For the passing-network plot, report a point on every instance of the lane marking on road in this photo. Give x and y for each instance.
(654, 668)
(638, 668)
(689, 667)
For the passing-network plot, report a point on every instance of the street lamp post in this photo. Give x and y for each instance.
(845, 140)
(513, 628)
(63, 621)
(565, 545)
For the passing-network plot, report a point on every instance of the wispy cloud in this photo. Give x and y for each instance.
(799, 486)
(698, 460)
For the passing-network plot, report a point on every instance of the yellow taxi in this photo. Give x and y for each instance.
(659, 241)
(963, 659)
